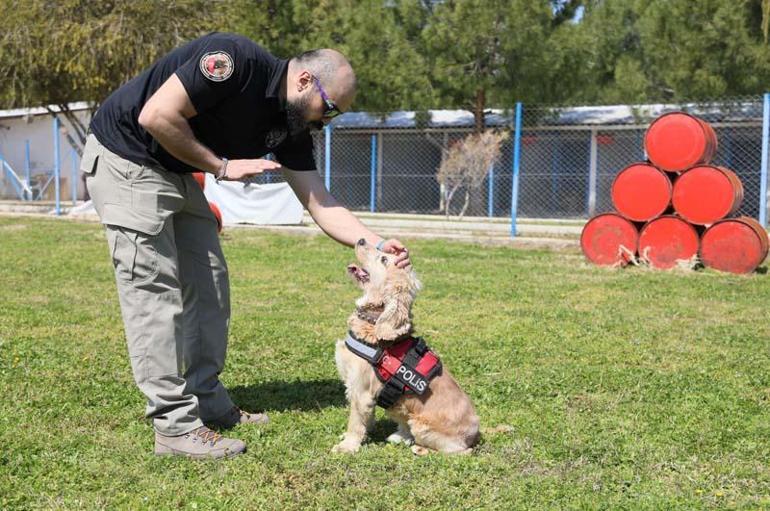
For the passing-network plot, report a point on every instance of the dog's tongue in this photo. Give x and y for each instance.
(358, 272)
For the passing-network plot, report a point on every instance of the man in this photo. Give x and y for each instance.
(216, 104)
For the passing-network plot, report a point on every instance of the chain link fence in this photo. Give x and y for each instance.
(569, 157)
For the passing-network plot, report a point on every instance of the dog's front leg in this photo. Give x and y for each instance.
(360, 421)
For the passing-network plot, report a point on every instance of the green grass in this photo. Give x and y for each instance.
(624, 389)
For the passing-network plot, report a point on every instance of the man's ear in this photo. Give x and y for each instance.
(304, 80)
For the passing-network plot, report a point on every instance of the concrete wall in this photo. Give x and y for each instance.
(15, 131)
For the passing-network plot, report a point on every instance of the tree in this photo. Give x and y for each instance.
(379, 38)
(672, 50)
(466, 164)
(76, 50)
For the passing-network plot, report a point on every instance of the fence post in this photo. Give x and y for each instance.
(763, 170)
(27, 170)
(328, 156)
(373, 176)
(515, 169)
(491, 192)
(56, 165)
(592, 174)
(74, 158)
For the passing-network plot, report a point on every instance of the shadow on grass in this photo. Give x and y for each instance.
(289, 395)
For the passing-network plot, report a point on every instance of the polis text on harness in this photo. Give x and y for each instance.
(404, 367)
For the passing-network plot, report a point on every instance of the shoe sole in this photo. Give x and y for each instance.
(168, 451)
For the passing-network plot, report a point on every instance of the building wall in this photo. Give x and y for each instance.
(15, 132)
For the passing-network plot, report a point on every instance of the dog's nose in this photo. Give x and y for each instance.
(361, 242)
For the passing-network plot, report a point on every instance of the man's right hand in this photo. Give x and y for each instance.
(239, 170)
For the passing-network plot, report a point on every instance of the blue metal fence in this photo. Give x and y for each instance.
(557, 163)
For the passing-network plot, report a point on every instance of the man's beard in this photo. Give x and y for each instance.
(295, 117)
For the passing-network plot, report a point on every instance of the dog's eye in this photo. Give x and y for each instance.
(384, 260)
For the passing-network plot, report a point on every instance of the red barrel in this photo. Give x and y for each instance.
(705, 194)
(640, 192)
(217, 214)
(736, 245)
(677, 141)
(665, 241)
(200, 178)
(609, 239)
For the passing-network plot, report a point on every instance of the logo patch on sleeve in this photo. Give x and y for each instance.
(217, 66)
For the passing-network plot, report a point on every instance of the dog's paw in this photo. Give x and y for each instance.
(420, 450)
(346, 447)
(399, 438)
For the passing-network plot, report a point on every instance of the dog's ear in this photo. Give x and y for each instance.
(396, 317)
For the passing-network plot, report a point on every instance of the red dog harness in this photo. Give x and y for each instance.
(405, 367)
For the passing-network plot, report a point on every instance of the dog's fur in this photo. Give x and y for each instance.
(443, 419)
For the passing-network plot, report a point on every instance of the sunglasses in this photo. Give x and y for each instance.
(330, 107)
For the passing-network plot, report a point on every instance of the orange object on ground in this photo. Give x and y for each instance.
(609, 239)
(705, 194)
(735, 245)
(217, 214)
(665, 241)
(677, 141)
(640, 192)
(200, 178)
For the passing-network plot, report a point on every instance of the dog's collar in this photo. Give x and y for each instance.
(363, 349)
(369, 313)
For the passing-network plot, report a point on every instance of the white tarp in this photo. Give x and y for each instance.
(265, 204)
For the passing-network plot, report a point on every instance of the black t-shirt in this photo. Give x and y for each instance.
(234, 85)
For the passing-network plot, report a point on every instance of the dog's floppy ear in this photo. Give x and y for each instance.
(396, 317)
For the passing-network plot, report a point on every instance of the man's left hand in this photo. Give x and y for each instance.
(393, 246)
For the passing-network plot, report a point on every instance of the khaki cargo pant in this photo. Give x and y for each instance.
(172, 283)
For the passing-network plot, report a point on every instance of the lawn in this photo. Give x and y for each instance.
(600, 388)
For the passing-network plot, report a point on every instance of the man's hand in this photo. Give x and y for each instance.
(393, 246)
(238, 170)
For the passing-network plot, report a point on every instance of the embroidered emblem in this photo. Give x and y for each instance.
(274, 137)
(217, 66)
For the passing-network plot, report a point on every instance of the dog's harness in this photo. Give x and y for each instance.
(405, 367)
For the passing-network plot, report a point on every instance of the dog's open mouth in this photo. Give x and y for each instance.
(358, 273)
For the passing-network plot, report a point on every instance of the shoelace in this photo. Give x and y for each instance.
(208, 435)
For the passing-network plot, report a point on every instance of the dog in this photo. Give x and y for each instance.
(442, 418)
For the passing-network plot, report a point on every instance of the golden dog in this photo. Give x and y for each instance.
(443, 418)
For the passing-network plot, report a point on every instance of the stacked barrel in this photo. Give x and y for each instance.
(677, 207)
(200, 178)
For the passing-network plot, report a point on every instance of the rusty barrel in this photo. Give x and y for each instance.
(609, 239)
(217, 214)
(640, 192)
(706, 193)
(735, 245)
(677, 141)
(200, 178)
(665, 241)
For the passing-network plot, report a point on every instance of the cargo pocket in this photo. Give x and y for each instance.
(138, 359)
(90, 156)
(134, 256)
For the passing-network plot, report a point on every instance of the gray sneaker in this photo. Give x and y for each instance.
(198, 443)
(237, 416)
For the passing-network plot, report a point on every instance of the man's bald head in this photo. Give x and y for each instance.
(330, 67)
(310, 73)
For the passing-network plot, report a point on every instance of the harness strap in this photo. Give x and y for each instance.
(390, 393)
(373, 355)
(406, 367)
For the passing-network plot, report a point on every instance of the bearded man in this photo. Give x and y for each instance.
(218, 104)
